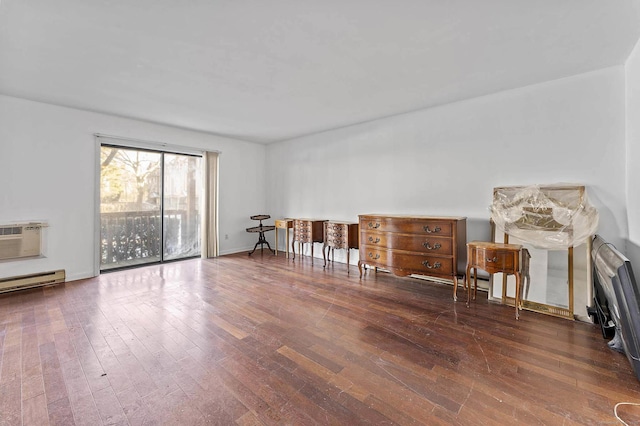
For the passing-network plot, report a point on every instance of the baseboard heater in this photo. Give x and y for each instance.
(32, 280)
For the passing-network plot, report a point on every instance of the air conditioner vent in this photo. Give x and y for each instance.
(10, 230)
(20, 240)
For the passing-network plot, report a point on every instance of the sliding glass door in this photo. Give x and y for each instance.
(181, 206)
(149, 206)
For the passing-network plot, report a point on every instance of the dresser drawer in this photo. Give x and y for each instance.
(337, 230)
(302, 237)
(407, 262)
(301, 225)
(417, 243)
(335, 241)
(405, 225)
(301, 230)
(339, 244)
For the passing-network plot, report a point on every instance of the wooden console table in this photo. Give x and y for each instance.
(306, 231)
(422, 245)
(494, 258)
(285, 224)
(339, 235)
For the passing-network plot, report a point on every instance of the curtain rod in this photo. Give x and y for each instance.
(164, 145)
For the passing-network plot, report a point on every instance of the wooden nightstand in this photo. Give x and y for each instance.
(285, 224)
(494, 258)
(306, 231)
(339, 235)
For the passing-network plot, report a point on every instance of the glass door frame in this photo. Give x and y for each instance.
(133, 144)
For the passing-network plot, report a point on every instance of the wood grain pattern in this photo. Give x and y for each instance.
(266, 341)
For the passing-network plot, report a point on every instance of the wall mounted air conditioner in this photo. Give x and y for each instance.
(20, 240)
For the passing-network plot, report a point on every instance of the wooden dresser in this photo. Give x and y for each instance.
(307, 231)
(339, 235)
(422, 245)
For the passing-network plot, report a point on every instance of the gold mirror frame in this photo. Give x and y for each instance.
(553, 310)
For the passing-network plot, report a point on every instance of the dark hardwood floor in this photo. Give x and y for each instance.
(265, 340)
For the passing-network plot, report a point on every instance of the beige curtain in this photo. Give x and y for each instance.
(210, 198)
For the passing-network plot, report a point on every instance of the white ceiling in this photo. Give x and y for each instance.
(264, 70)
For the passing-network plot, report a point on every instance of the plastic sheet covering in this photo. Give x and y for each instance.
(550, 217)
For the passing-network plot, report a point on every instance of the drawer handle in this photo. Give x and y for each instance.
(376, 226)
(371, 240)
(494, 260)
(436, 246)
(336, 235)
(429, 231)
(436, 265)
(377, 256)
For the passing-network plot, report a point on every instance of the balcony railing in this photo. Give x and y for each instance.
(135, 237)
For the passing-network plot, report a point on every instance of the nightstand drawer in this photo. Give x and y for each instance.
(300, 226)
(302, 237)
(335, 228)
(495, 260)
(339, 241)
(284, 223)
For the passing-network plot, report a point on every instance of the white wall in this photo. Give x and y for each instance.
(447, 160)
(48, 172)
(443, 160)
(633, 155)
